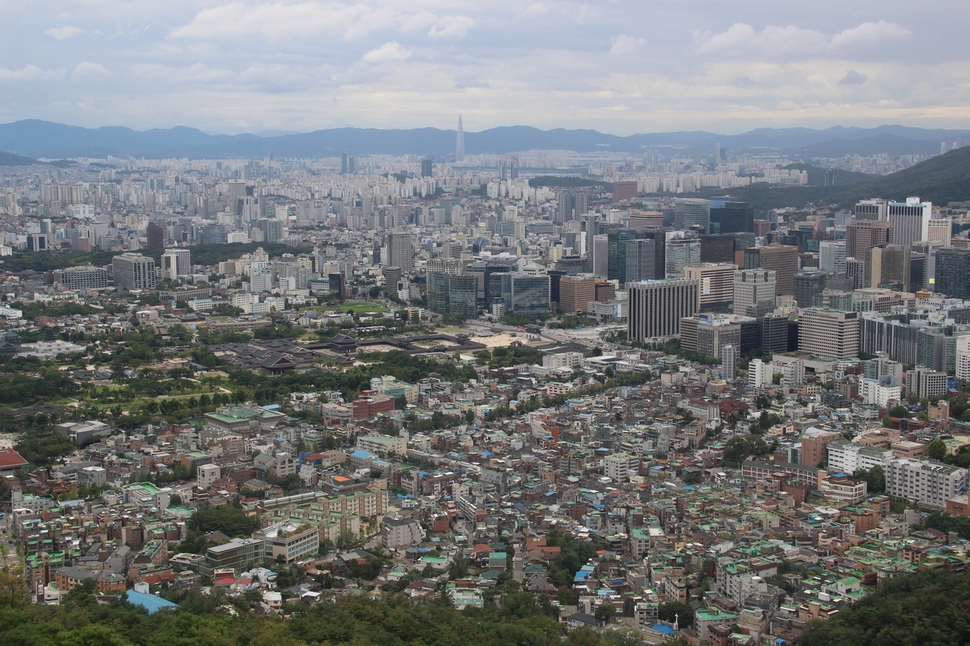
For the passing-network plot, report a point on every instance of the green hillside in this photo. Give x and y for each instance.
(927, 608)
(941, 179)
(9, 159)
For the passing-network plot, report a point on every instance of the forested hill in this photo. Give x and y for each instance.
(929, 608)
(940, 180)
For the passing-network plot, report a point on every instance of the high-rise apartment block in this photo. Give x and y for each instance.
(926, 483)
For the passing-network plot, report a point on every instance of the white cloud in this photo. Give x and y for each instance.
(869, 34)
(788, 41)
(451, 28)
(279, 22)
(385, 53)
(88, 71)
(624, 45)
(30, 73)
(63, 33)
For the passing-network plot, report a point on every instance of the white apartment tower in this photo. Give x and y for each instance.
(926, 483)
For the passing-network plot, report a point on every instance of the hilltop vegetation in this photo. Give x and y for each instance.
(941, 179)
(927, 608)
(510, 616)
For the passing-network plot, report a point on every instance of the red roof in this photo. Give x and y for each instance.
(10, 459)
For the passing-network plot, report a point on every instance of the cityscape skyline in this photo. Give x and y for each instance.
(622, 69)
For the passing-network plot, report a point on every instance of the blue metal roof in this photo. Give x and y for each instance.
(149, 602)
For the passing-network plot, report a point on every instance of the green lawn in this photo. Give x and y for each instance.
(363, 306)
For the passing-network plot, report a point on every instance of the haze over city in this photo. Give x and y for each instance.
(618, 67)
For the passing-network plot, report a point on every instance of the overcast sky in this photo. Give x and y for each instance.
(618, 67)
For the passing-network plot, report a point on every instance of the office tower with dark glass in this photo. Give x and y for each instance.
(523, 293)
(692, 214)
(730, 216)
(656, 307)
(953, 272)
(641, 260)
(454, 294)
(616, 251)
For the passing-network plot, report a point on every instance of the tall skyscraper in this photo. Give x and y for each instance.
(682, 252)
(641, 260)
(657, 306)
(729, 216)
(910, 220)
(272, 229)
(692, 213)
(953, 272)
(782, 259)
(831, 256)
(617, 253)
(601, 259)
(155, 234)
(427, 168)
(889, 266)
(400, 251)
(460, 143)
(862, 235)
(716, 283)
(871, 210)
(754, 291)
(571, 205)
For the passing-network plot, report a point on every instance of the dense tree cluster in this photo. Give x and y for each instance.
(928, 608)
(510, 616)
(231, 521)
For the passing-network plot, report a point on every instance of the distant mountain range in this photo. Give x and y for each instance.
(33, 138)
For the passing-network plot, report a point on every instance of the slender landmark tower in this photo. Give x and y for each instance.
(460, 143)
